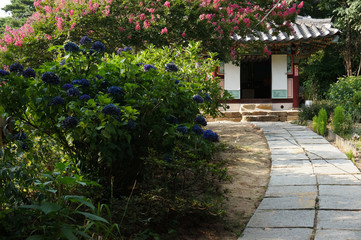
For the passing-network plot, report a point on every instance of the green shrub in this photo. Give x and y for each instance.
(338, 123)
(307, 113)
(322, 121)
(314, 124)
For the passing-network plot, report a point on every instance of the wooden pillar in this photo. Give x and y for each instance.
(296, 87)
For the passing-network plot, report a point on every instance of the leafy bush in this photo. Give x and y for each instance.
(307, 113)
(132, 123)
(314, 123)
(322, 121)
(338, 121)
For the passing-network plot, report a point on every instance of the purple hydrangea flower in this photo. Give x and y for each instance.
(172, 120)
(57, 101)
(29, 72)
(197, 129)
(85, 40)
(85, 97)
(72, 92)
(176, 82)
(111, 109)
(171, 67)
(200, 120)
(70, 122)
(114, 90)
(16, 67)
(207, 97)
(71, 47)
(147, 67)
(198, 99)
(82, 82)
(4, 73)
(126, 49)
(67, 86)
(98, 46)
(182, 129)
(210, 135)
(139, 64)
(50, 77)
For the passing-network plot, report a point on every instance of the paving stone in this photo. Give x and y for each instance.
(327, 151)
(327, 219)
(309, 141)
(290, 163)
(340, 202)
(283, 151)
(340, 190)
(276, 234)
(314, 156)
(281, 157)
(324, 154)
(282, 218)
(339, 179)
(297, 202)
(337, 235)
(298, 179)
(287, 191)
(330, 169)
(283, 144)
(291, 171)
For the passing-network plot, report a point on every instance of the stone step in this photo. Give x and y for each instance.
(260, 118)
(252, 107)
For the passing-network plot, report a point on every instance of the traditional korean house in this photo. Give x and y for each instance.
(270, 84)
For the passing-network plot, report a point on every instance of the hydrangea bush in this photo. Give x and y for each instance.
(111, 115)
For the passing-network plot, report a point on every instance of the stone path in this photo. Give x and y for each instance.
(314, 192)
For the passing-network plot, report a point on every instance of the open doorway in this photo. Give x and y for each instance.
(256, 77)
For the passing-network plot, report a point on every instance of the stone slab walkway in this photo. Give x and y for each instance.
(314, 192)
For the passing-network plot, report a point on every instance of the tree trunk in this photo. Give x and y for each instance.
(348, 51)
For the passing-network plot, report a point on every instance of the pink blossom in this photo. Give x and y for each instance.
(142, 16)
(201, 17)
(137, 26)
(47, 9)
(300, 5)
(71, 12)
(164, 31)
(167, 4)
(130, 20)
(121, 29)
(151, 10)
(184, 34)
(146, 24)
(266, 51)
(72, 26)
(48, 36)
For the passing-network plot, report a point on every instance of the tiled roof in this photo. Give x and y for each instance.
(304, 28)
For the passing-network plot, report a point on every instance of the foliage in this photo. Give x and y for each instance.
(347, 92)
(314, 123)
(133, 23)
(307, 113)
(338, 121)
(20, 10)
(322, 121)
(130, 122)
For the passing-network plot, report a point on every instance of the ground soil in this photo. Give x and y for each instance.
(248, 162)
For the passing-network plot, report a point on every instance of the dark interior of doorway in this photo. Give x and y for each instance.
(256, 78)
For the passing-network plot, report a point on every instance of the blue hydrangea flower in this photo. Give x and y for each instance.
(57, 101)
(126, 49)
(198, 99)
(207, 97)
(147, 67)
(111, 109)
(16, 67)
(4, 73)
(67, 86)
(182, 129)
(210, 135)
(20, 136)
(172, 120)
(85, 97)
(116, 90)
(50, 77)
(70, 122)
(29, 72)
(71, 47)
(176, 82)
(72, 92)
(200, 120)
(139, 64)
(98, 76)
(197, 129)
(85, 40)
(98, 46)
(171, 67)
(82, 82)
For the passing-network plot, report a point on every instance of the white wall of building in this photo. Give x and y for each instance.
(232, 79)
(279, 76)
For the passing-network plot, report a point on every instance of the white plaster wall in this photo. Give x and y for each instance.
(232, 77)
(279, 72)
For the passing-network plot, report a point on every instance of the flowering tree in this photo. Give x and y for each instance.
(137, 23)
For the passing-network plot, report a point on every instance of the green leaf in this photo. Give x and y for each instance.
(93, 217)
(67, 231)
(80, 199)
(48, 207)
(66, 180)
(35, 237)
